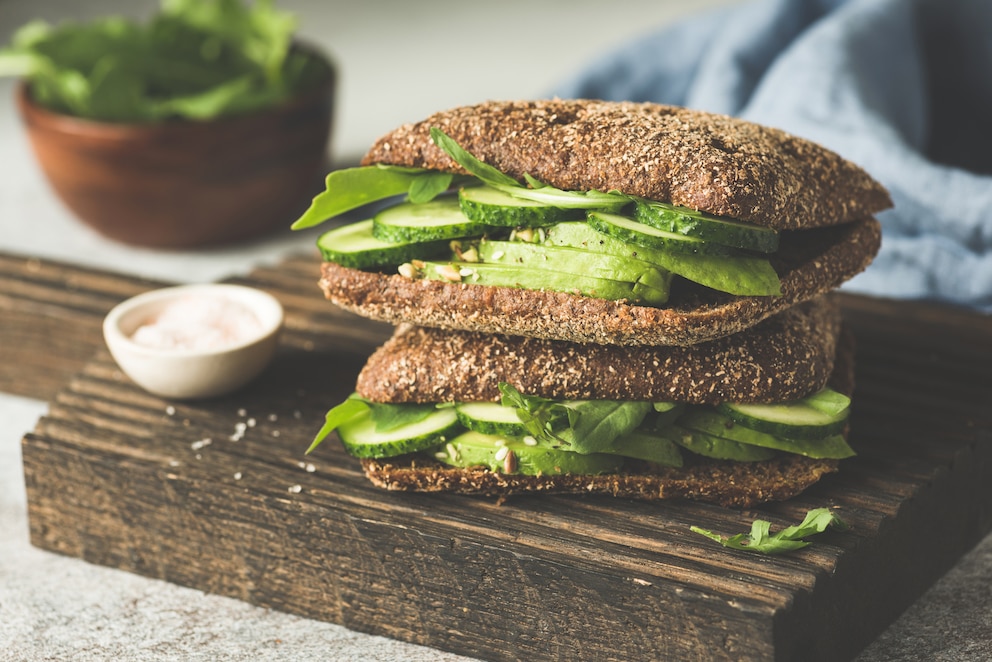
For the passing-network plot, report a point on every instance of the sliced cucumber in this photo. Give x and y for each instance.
(506, 275)
(492, 206)
(692, 223)
(490, 418)
(511, 455)
(572, 260)
(792, 420)
(718, 448)
(360, 437)
(428, 221)
(710, 422)
(734, 274)
(355, 247)
(635, 232)
(556, 197)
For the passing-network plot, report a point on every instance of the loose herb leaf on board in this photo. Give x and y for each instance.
(761, 540)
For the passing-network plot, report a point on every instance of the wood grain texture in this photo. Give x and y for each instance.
(121, 478)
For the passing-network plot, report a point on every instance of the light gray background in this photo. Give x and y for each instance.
(398, 61)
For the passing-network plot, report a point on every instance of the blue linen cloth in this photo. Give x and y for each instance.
(901, 87)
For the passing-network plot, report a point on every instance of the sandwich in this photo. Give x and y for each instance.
(594, 297)
(650, 224)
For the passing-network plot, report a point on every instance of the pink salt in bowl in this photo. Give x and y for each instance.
(194, 341)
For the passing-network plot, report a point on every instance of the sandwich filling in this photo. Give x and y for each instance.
(496, 231)
(537, 436)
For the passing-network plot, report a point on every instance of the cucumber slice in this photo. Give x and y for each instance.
(718, 448)
(508, 275)
(492, 206)
(734, 274)
(360, 437)
(556, 197)
(355, 247)
(635, 232)
(428, 221)
(692, 223)
(510, 455)
(572, 260)
(792, 420)
(490, 418)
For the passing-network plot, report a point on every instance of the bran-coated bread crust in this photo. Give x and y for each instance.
(787, 356)
(809, 263)
(730, 484)
(714, 163)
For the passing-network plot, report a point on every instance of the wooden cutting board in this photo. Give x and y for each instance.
(218, 495)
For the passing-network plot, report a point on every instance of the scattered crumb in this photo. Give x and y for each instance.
(170, 410)
(197, 445)
(237, 475)
(242, 412)
(295, 489)
(273, 417)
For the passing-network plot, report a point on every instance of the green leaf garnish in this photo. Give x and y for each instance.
(428, 186)
(386, 416)
(338, 416)
(540, 416)
(391, 416)
(788, 539)
(480, 169)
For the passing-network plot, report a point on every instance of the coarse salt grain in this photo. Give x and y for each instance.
(199, 323)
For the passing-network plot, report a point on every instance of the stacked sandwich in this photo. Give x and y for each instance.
(598, 297)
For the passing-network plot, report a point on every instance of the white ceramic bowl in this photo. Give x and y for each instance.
(195, 372)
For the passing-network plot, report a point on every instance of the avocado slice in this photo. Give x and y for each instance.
(651, 289)
(511, 455)
(718, 425)
(735, 274)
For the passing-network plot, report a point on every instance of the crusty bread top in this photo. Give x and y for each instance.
(715, 163)
(785, 357)
(809, 263)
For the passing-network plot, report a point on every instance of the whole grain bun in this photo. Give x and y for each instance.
(809, 263)
(730, 484)
(785, 357)
(715, 163)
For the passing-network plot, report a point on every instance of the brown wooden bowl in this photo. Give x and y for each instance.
(183, 184)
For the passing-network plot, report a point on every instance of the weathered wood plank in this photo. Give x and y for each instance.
(125, 479)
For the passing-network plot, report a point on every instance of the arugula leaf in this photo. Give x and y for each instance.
(788, 539)
(337, 416)
(480, 169)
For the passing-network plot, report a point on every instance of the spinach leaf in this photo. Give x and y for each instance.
(595, 424)
(337, 416)
(352, 188)
(586, 426)
(389, 416)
